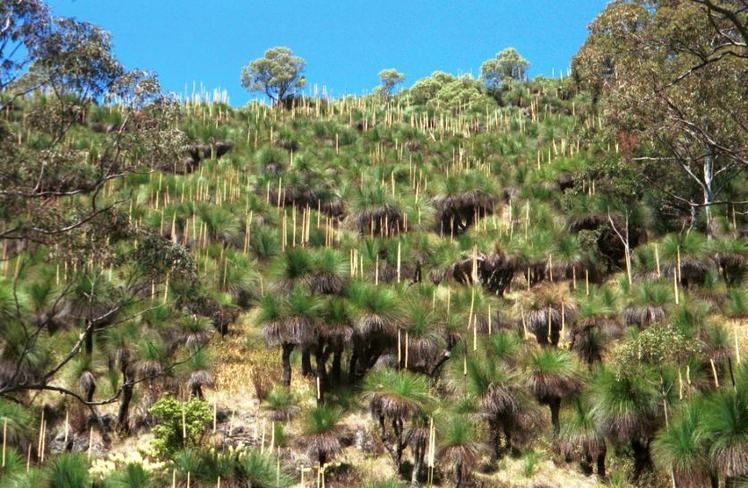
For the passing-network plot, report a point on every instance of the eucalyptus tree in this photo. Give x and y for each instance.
(666, 72)
(508, 65)
(278, 74)
(390, 78)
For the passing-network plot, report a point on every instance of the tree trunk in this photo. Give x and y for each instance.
(321, 358)
(714, 480)
(89, 341)
(493, 427)
(418, 454)
(508, 437)
(708, 192)
(306, 362)
(642, 458)
(337, 357)
(601, 462)
(123, 415)
(586, 464)
(352, 373)
(286, 360)
(458, 475)
(397, 425)
(555, 405)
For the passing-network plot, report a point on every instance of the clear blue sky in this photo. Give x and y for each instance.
(345, 43)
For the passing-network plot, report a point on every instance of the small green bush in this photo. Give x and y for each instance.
(176, 418)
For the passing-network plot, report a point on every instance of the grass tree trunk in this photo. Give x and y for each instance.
(353, 365)
(123, 414)
(601, 462)
(554, 403)
(495, 431)
(286, 361)
(306, 362)
(89, 340)
(585, 464)
(337, 357)
(320, 356)
(642, 457)
(419, 451)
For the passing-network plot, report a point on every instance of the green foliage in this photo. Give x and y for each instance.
(508, 65)
(531, 461)
(277, 74)
(175, 419)
(132, 476)
(390, 78)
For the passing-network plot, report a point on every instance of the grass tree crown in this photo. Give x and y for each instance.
(277, 74)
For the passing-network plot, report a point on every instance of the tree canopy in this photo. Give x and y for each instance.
(277, 74)
(508, 65)
(390, 78)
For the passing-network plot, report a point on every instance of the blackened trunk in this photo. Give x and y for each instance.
(337, 357)
(555, 405)
(397, 426)
(493, 426)
(352, 373)
(89, 341)
(642, 458)
(123, 415)
(508, 437)
(306, 362)
(458, 475)
(601, 462)
(321, 359)
(586, 464)
(197, 391)
(286, 360)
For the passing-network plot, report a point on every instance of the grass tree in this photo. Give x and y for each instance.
(421, 338)
(322, 433)
(724, 423)
(627, 407)
(288, 321)
(648, 304)
(688, 257)
(682, 450)
(375, 310)
(331, 334)
(396, 396)
(596, 325)
(581, 437)
(504, 401)
(199, 376)
(458, 447)
(281, 403)
(552, 376)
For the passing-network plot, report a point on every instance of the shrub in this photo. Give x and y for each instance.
(175, 419)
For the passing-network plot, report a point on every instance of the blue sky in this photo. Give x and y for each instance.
(345, 43)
